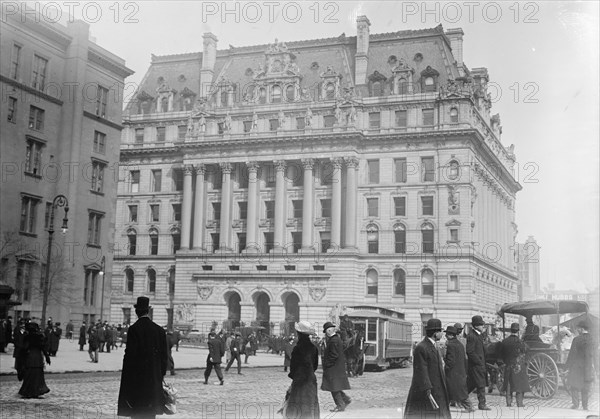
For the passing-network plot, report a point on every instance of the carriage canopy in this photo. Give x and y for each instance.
(543, 307)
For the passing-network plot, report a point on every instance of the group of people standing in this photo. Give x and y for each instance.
(101, 337)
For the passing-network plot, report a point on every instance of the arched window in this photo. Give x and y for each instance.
(153, 241)
(373, 238)
(262, 98)
(151, 280)
(129, 277)
(276, 94)
(131, 242)
(427, 238)
(399, 283)
(454, 115)
(429, 84)
(454, 170)
(402, 86)
(164, 104)
(290, 93)
(427, 283)
(377, 88)
(329, 91)
(372, 282)
(175, 239)
(171, 281)
(399, 238)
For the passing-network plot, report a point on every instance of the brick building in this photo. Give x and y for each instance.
(61, 129)
(271, 183)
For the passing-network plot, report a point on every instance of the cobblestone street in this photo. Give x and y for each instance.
(256, 394)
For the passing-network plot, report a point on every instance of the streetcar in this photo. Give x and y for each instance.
(387, 336)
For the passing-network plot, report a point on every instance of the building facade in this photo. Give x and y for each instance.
(61, 129)
(274, 183)
(528, 269)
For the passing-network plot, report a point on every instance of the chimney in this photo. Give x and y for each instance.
(362, 49)
(209, 57)
(455, 36)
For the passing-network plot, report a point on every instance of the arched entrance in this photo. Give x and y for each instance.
(292, 312)
(263, 311)
(234, 309)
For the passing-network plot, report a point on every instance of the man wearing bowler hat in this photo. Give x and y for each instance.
(512, 351)
(582, 365)
(455, 367)
(428, 395)
(144, 366)
(335, 379)
(477, 371)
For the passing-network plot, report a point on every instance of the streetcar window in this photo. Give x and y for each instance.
(372, 330)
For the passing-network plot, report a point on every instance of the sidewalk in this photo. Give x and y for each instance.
(70, 359)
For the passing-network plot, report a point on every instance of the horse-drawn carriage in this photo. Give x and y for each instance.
(545, 366)
(379, 338)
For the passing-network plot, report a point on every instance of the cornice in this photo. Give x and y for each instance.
(102, 120)
(30, 90)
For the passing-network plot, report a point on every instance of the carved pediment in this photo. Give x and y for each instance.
(453, 223)
(403, 67)
(143, 96)
(377, 76)
(165, 88)
(430, 72)
(187, 92)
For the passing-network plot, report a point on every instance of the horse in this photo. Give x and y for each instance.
(354, 351)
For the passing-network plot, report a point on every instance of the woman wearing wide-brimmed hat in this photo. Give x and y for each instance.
(302, 398)
(34, 384)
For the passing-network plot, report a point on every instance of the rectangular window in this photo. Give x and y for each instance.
(427, 169)
(132, 241)
(217, 177)
(28, 214)
(33, 157)
(400, 170)
(101, 99)
(400, 206)
(98, 176)
(453, 283)
(15, 62)
(372, 330)
(89, 289)
(161, 134)
(156, 180)
(243, 208)
(181, 131)
(372, 207)
(400, 241)
(99, 142)
(23, 282)
(241, 241)
(373, 171)
(129, 280)
(427, 116)
(325, 208)
(269, 239)
(269, 210)
(325, 240)
(47, 215)
(374, 120)
(154, 244)
(177, 176)
(300, 122)
(454, 234)
(216, 207)
(296, 241)
(401, 119)
(273, 124)
(328, 121)
(176, 212)
(247, 126)
(243, 176)
(154, 213)
(176, 238)
(427, 205)
(36, 118)
(12, 110)
(133, 213)
(427, 241)
(94, 228)
(127, 313)
(297, 204)
(327, 170)
(38, 77)
(134, 176)
(139, 135)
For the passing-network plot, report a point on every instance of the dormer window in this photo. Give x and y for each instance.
(290, 93)
(377, 89)
(453, 115)
(276, 94)
(429, 78)
(224, 96)
(402, 86)
(262, 96)
(429, 84)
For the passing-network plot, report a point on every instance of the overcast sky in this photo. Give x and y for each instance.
(542, 58)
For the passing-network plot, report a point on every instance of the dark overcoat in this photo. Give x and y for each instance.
(456, 370)
(144, 366)
(428, 374)
(216, 350)
(581, 359)
(334, 365)
(512, 351)
(82, 335)
(288, 347)
(303, 401)
(476, 371)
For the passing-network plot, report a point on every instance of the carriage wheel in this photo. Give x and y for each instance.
(543, 375)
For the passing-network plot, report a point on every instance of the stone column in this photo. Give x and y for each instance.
(307, 204)
(199, 209)
(225, 222)
(252, 213)
(336, 204)
(278, 237)
(351, 203)
(186, 211)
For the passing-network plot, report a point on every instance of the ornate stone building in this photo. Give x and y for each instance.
(528, 269)
(273, 183)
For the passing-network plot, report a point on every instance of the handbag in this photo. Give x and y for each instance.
(169, 398)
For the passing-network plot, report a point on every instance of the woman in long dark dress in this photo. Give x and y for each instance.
(34, 351)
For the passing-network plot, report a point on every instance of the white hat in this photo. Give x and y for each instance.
(305, 327)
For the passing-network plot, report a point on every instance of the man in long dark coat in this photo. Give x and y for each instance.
(19, 352)
(455, 367)
(144, 366)
(477, 372)
(216, 350)
(582, 366)
(335, 379)
(512, 351)
(82, 336)
(235, 348)
(428, 380)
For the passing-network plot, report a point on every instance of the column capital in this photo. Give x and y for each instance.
(188, 169)
(351, 162)
(200, 169)
(337, 162)
(252, 166)
(279, 165)
(226, 167)
(308, 163)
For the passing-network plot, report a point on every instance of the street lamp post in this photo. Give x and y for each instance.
(59, 201)
(102, 273)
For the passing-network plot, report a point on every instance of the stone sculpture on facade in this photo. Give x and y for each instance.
(308, 117)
